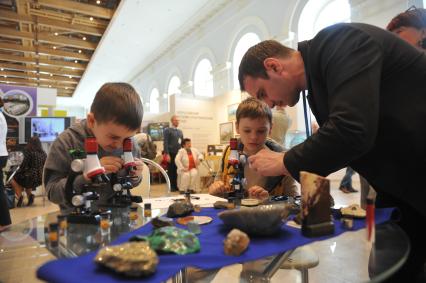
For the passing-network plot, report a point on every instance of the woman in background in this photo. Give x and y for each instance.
(29, 175)
(410, 26)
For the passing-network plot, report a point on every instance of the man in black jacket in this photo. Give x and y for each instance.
(366, 88)
(173, 138)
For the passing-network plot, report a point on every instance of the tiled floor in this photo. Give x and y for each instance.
(42, 206)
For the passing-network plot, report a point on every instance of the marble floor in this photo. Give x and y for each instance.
(42, 206)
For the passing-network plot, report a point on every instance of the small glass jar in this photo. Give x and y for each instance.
(53, 235)
(62, 225)
(133, 213)
(147, 212)
(105, 223)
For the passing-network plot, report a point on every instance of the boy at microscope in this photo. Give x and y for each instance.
(254, 123)
(115, 114)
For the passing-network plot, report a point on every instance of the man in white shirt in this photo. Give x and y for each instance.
(4, 208)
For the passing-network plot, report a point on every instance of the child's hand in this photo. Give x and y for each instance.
(218, 188)
(111, 164)
(138, 169)
(258, 193)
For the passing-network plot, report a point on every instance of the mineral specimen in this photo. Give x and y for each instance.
(259, 220)
(162, 221)
(179, 209)
(236, 242)
(223, 204)
(354, 211)
(131, 259)
(171, 239)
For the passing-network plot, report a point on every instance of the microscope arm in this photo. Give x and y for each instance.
(156, 165)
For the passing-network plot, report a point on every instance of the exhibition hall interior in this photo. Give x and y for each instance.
(179, 175)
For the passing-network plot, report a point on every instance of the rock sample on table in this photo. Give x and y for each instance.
(236, 242)
(262, 220)
(354, 211)
(179, 209)
(171, 239)
(134, 259)
(162, 221)
(316, 205)
(223, 205)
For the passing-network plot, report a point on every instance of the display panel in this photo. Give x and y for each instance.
(155, 130)
(46, 128)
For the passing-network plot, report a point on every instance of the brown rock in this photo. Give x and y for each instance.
(131, 259)
(236, 242)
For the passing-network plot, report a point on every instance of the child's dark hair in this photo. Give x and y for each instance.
(184, 141)
(34, 144)
(118, 103)
(254, 109)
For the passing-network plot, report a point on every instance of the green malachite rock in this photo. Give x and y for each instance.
(174, 240)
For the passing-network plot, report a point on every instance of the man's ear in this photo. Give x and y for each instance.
(272, 64)
(236, 128)
(90, 120)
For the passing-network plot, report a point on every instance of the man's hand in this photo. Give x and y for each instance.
(218, 188)
(258, 193)
(268, 163)
(111, 164)
(138, 169)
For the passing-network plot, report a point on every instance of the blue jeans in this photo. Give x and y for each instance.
(347, 179)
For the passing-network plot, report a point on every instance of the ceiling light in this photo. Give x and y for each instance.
(70, 77)
(5, 76)
(51, 75)
(2, 69)
(84, 38)
(91, 18)
(79, 51)
(75, 61)
(56, 33)
(66, 87)
(98, 2)
(50, 86)
(54, 47)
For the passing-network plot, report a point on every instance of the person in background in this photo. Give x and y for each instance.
(187, 161)
(147, 146)
(410, 26)
(366, 89)
(346, 182)
(115, 114)
(281, 122)
(5, 220)
(254, 122)
(29, 175)
(173, 138)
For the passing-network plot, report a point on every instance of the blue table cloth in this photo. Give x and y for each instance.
(83, 268)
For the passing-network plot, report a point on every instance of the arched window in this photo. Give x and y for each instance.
(174, 86)
(154, 104)
(245, 42)
(318, 14)
(203, 79)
